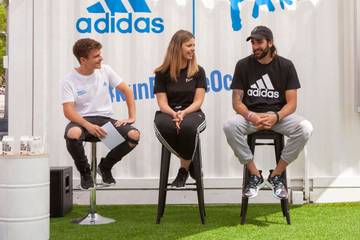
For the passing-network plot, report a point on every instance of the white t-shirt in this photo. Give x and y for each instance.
(90, 93)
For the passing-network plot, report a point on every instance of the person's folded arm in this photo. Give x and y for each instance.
(162, 101)
(291, 104)
(240, 108)
(198, 101)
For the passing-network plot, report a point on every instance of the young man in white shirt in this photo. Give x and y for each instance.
(87, 105)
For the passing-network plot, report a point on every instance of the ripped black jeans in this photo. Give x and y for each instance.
(76, 148)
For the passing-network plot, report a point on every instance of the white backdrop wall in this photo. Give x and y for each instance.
(317, 35)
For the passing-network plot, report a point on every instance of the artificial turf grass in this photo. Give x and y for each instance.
(314, 221)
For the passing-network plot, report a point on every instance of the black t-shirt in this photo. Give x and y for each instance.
(180, 93)
(264, 85)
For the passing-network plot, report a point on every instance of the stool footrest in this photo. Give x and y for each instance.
(187, 184)
(181, 189)
(262, 144)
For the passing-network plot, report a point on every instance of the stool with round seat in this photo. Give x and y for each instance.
(93, 218)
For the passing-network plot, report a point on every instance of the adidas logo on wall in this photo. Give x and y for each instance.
(120, 16)
(118, 6)
(263, 88)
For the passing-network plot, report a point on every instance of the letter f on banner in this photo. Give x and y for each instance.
(235, 14)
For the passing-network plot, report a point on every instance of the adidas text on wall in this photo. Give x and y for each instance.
(112, 16)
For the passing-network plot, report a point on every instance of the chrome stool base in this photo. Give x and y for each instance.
(93, 219)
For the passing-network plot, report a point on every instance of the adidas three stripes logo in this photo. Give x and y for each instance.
(263, 88)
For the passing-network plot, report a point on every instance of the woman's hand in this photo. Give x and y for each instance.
(178, 118)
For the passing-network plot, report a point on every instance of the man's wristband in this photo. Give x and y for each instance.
(249, 115)
(277, 117)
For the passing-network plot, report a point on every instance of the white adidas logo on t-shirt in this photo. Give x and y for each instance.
(263, 88)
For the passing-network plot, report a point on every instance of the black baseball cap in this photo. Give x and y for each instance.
(260, 32)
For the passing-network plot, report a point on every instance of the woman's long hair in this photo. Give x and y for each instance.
(173, 56)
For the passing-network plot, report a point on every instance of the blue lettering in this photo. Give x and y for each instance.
(119, 96)
(127, 21)
(282, 3)
(112, 19)
(158, 25)
(111, 93)
(236, 22)
(151, 84)
(207, 85)
(146, 90)
(216, 82)
(146, 22)
(235, 14)
(86, 21)
(105, 21)
(135, 91)
(227, 79)
(259, 3)
(215, 76)
(110, 24)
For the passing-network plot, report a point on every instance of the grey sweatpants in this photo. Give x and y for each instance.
(295, 127)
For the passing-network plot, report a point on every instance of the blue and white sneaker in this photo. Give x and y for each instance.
(254, 184)
(277, 184)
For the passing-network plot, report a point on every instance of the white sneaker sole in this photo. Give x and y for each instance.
(273, 192)
(257, 190)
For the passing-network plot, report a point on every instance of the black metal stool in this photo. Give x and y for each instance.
(93, 218)
(163, 183)
(278, 143)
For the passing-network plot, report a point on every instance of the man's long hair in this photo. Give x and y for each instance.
(273, 50)
(173, 56)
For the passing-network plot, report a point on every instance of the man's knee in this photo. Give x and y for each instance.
(307, 129)
(229, 127)
(74, 133)
(134, 136)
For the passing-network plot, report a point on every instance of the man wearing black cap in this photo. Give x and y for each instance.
(265, 97)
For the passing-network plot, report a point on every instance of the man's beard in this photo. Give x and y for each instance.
(263, 53)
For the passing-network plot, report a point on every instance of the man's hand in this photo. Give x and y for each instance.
(261, 120)
(123, 122)
(95, 130)
(268, 120)
(255, 118)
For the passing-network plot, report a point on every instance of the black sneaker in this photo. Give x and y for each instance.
(86, 181)
(181, 178)
(191, 170)
(253, 186)
(278, 186)
(106, 175)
